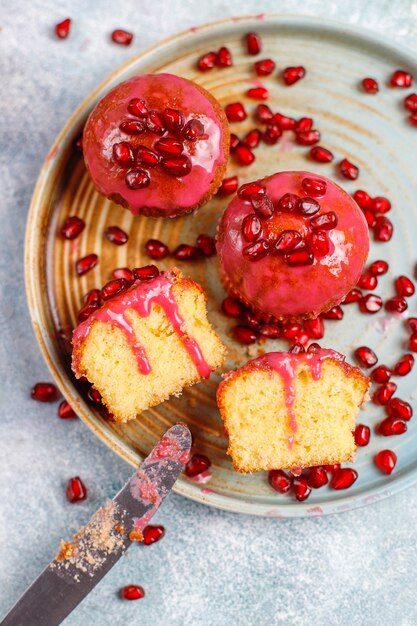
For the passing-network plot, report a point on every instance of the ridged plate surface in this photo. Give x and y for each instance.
(371, 130)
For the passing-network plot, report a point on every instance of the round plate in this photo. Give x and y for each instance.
(370, 130)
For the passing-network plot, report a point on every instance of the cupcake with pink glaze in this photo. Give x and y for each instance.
(292, 245)
(157, 144)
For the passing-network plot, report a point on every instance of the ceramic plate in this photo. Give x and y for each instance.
(371, 130)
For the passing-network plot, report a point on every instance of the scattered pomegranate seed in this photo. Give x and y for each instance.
(381, 374)
(263, 113)
(251, 228)
(206, 245)
(379, 204)
(335, 313)
(169, 147)
(122, 37)
(363, 199)
(65, 411)
(412, 342)
(147, 158)
(132, 592)
(370, 218)
(412, 119)
(262, 205)
(156, 249)
(198, 464)
(113, 288)
(404, 286)
(404, 365)
(253, 43)
(297, 348)
(365, 357)
(248, 190)
(250, 320)
(410, 102)
(386, 460)
(384, 393)
(288, 240)
(75, 490)
(252, 138)
(321, 155)
(94, 396)
(122, 150)
(173, 119)
(283, 121)
(299, 257)
(256, 251)
(154, 123)
(348, 169)
(314, 328)
(224, 57)
(125, 273)
(292, 75)
(184, 252)
(270, 331)
(243, 155)
(331, 468)
(116, 235)
(317, 477)
(412, 324)
(397, 304)
(138, 107)
(152, 534)
(193, 130)
(228, 186)
(137, 179)
(72, 227)
(378, 268)
(308, 137)
(244, 335)
(280, 480)
(354, 295)
(325, 221)
(264, 67)
(86, 310)
(301, 488)
(370, 304)
(86, 264)
(147, 272)
(319, 243)
(207, 61)
(292, 330)
(177, 166)
(303, 124)
(235, 112)
(368, 281)
(308, 206)
(370, 85)
(62, 29)
(362, 435)
(400, 409)
(258, 93)
(392, 426)
(343, 478)
(314, 187)
(383, 228)
(232, 307)
(44, 392)
(400, 78)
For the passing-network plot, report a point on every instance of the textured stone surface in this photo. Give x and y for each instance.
(212, 568)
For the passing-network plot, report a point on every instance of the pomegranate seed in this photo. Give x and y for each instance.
(331, 468)
(321, 155)
(132, 592)
(412, 342)
(65, 411)
(44, 392)
(370, 85)
(93, 295)
(147, 272)
(228, 186)
(248, 190)
(263, 113)
(392, 426)
(193, 130)
(381, 374)
(262, 205)
(177, 166)
(362, 435)
(264, 67)
(79, 144)
(122, 37)
(370, 304)
(412, 324)
(370, 218)
(354, 295)
(152, 534)
(383, 228)
(368, 281)
(154, 123)
(125, 273)
(251, 228)
(343, 478)
(235, 112)
(293, 74)
(173, 119)
(224, 57)
(363, 199)
(243, 155)
(232, 307)
(258, 93)
(384, 393)
(400, 78)
(62, 29)
(207, 61)
(169, 147)
(335, 313)
(303, 124)
(410, 103)
(301, 488)
(284, 122)
(404, 286)
(252, 138)
(400, 409)
(378, 268)
(244, 335)
(86, 264)
(290, 331)
(348, 169)
(308, 206)
(287, 241)
(398, 304)
(138, 107)
(301, 256)
(404, 365)
(288, 202)
(156, 249)
(308, 137)
(234, 142)
(197, 464)
(386, 460)
(325, 221)
(314, 328)
(75, 490)
(86, 310)
(132, 127)
(280, 481)
(116, 235)
(137, 179)
(256, 251)
(317, 477)
(412, 119)
(94, 396)
(72, 227)
(146, 157)
(365, 357)
(314, 187)
(114, 287)
(250, 320)
(253, 43)
(123, 153)
(206, 245)
(270, 331)
(297, 348)
(379, 204)
(272, 134)
(319, 243)
(184, 252)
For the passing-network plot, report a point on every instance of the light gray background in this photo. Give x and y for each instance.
(212, 568)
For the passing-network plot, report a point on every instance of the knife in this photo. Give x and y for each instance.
(97, 546)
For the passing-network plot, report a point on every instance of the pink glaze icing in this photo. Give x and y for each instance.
(166, 193)
(272, 288)
(140, 297)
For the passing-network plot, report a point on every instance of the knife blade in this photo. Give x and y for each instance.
(97, 546)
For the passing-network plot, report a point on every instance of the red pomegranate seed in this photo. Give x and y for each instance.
(132, 127)
(256, 251)
(363, 199)
(72, 227)
(154, 123)
(177, 166)
(412, 324)
(132, 592)
(173, 119)
(263, 113)
(370, 304)
(62, 29)
(412, 342)
(264, 67)
(86, 264)
(381, 374)
(270, 331)
(379, 204)
(386, 460)
(368, 281)
(410, 102)
(185, 252)
(284, 122)
(397, 304)
(400, 409)
(280, 481)
(391, 426)
(125, 273)
(362, 435)
(198, 464)
(335, 313)
(114, 287)
(365, 357)
(138, 107)
(234, 141)
(65, 411)
(308, 137)
(146, 157)
(319, 243)
(228, 186)
(152, 534)
(343, 478)
(287, 241)
(168, 147)
(348, 169)
(250, 320)
(354, 295)
(262, 205)
(193, 130)
(293, 74)
(137, 179)
(94, 396)
(383, 228)
(297, 348)
(370, 85)
(288, 202)
(235, 112)
(370, 218)
(251, 228)
(378, 268)
(244, 335)
(123, 153)
(325, 221)
(303, 124)
(206, 245)
(384, 393)
(243, 155)
(253, 43)
(404, 286)
(147, 272)
(314, 187)
(321, 155)
(75, 490)
(272, 133)
(412, 119)
(122, 37)
(400, 78)
(86, 310)
(224, 57)
(292, 330)
(248, 190)
(252, 138)
(300, 257)
(314, 328)
(44, 392)
(317, 477)
(116, 235)
(232, 307)
(156, 249)
(207, 61)
(258, 93)
(308, 206)
(404, 365)
(301, 488)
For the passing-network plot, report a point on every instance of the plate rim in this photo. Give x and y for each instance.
(34, 280)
